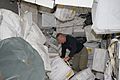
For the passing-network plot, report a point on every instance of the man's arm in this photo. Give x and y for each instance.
(63, 51)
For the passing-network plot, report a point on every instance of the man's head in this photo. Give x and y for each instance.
(61, 38)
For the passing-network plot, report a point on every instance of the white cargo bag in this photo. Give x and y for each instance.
(48, 20)
(10, 24)
(65, 13)
(60, 70)
(99, 76)
(99, 60)
(91, 35)
(36, 38)
(31, 30)
(84, 75)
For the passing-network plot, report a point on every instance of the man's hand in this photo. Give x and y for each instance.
(67, 58)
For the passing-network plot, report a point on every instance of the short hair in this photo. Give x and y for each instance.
(58, 34)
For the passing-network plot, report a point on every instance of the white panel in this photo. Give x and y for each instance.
(80, 3)
(46, 3)
(107, 17)
(99, 60)
(31, 1)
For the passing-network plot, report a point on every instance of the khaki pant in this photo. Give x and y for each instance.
(80, 60)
